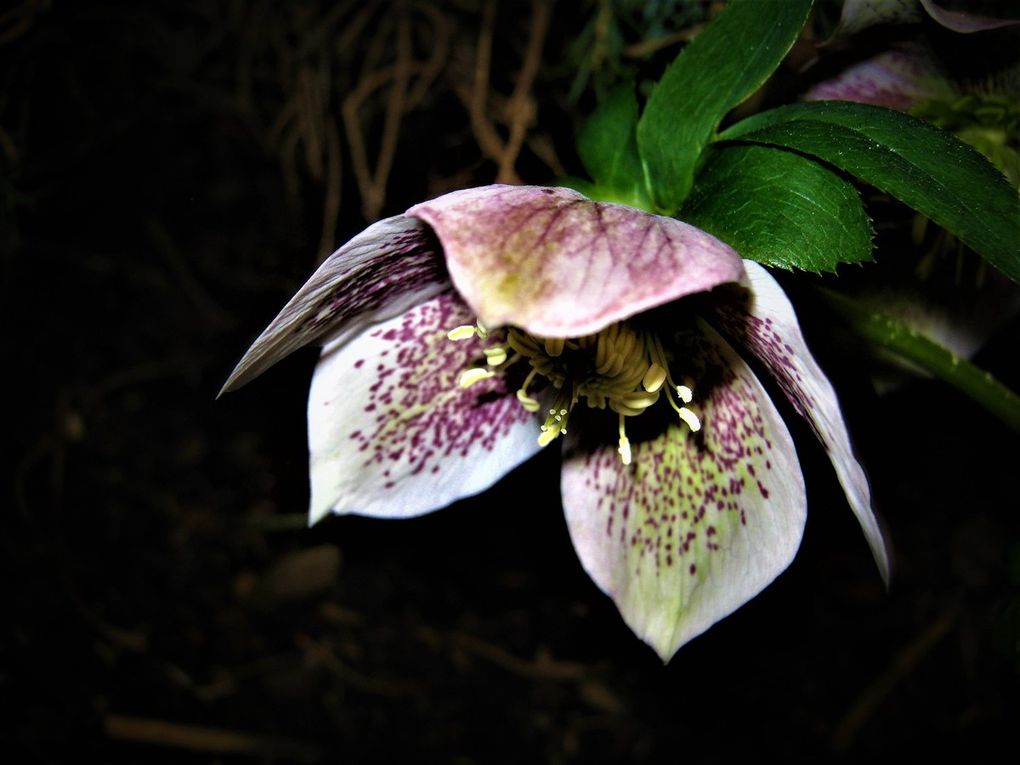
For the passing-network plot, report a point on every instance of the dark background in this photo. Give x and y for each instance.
(170, 174)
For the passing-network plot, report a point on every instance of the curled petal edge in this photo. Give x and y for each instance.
(386, 269)
(767, 326)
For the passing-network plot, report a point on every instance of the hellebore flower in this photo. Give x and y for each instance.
(464, 336)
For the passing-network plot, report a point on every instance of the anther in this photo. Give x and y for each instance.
(495, 355)
(686, 394)
(624, 450)
(463, 332)
(654, 377)
(476, 374)
(554, 346)
(638, 400)
(690, 418)
(529, 404)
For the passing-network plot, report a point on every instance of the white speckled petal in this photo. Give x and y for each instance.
(557, 264)
(895, 79)
(964, 22)
(387, 268)
(767, 326)
(392, 434)
(698, 524)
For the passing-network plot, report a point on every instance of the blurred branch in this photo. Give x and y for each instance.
(200, 738)
(519, 112)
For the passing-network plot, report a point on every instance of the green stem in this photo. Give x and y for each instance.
(902, 340)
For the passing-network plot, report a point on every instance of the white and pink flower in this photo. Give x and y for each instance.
(464, 336)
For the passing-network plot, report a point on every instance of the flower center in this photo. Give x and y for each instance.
(622, 368)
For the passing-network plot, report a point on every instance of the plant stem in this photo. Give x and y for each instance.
(902, 340)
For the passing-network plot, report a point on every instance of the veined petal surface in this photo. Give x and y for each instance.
(557, 264)
(392, 434)
(767, 326)
(387, 268)
(895, 79)
(698, 523)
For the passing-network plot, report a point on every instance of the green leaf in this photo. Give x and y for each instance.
(728, 61)
(924, 167)
(607, 146)
(901, 340)
(779, 208)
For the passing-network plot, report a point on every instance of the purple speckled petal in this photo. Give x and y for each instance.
(767, 325)
(390, 432)
(557, 264)
(387, 268)
(697, 524)
(961, 21)
(895, 79)
(861, 14)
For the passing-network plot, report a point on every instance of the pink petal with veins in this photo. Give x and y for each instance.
(896, 79)
(557, 264)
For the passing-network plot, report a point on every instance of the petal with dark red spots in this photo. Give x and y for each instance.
(767, 326)
(698, 523)
(392, 434)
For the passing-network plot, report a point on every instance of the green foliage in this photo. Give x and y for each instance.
(922, 166)
(779, 208)
(901, 340)
(608, 149)
(621, 34)
(730, 59)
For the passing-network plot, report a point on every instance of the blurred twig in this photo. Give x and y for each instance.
(903, 664)
(519, 112)
(200, 738)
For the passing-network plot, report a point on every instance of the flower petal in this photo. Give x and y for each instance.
(861, 14)
(697, 524)
(895, 79)
(964, 22)
(767, 325)
(390, 431)
(387, 268)
(557, 264)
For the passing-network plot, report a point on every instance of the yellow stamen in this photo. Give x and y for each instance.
(529, 404)
(654, 377)
(690, 418)
(476, 374)
(554, 346)
(463, 332)
(622, 367)
(495, 355)
(624, 448)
